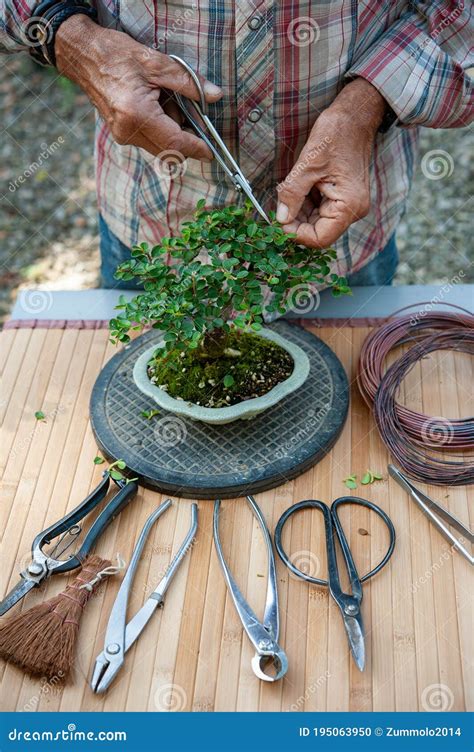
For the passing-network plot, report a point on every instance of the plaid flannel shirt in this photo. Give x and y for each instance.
(280, 64)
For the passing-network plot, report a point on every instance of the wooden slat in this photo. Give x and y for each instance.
(194, 654)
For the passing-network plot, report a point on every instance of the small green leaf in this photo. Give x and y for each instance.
(116, 474)
(377, 476)
(118, 463)
(228, 380)
(350, 483)
(149, 414)
(98, 460)
(39, 415)
(367, 478)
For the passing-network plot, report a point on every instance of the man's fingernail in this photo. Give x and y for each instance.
(211, 89)
(282, 213)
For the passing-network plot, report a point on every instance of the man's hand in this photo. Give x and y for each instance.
(328, 188)
(124, 79)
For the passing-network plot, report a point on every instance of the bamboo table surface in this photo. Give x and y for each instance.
(194, 655)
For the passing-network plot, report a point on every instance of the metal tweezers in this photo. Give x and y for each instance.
(434, 512)
(120, 636)
(221, 152)
(262, 634)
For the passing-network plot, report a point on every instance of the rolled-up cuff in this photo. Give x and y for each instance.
(421, 83)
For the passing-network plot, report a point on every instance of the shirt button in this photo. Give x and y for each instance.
(255, 22)
(255, 115)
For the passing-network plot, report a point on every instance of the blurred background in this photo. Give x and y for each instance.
(48, 217)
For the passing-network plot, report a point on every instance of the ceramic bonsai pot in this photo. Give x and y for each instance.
(221, 415)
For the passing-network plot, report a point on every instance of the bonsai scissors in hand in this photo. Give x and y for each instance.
(43, 565)
(215, 144)
(263, 635)
(349, 604)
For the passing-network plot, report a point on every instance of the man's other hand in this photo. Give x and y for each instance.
(328, 188)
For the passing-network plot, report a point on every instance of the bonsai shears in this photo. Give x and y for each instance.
(120, 636)
(349, 603)
(212, 138)
(262, 634)
(67, 529)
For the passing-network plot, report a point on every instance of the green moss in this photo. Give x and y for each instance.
(244, 366)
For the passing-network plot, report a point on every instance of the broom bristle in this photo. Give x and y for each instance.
(42, 640)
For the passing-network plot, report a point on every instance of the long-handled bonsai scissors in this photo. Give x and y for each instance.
(262, 634)
(215, 144)
(120, 636)
(349, 603)
(44, 564)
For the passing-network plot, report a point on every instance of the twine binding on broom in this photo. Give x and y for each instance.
(42, 640)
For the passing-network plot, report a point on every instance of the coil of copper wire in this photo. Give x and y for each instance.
(415, 439)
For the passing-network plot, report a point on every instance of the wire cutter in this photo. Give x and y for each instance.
(214, 140)
(262, 634)
(120, 636)
(434, 512)
(43, 564)
(349, 604)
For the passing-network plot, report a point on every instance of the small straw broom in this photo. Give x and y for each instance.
(42, 640)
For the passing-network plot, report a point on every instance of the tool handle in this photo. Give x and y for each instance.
(74, 516)
(108, 515)
(355, 500)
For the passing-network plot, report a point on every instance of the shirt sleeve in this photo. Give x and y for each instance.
(17, 25)
(420, 65)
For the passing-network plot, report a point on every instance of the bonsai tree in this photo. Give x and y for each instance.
(194, 300)
(227, 271)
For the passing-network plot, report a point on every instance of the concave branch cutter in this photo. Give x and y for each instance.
(262, 634)
(120, 636)
(43, 564)
(215, 144)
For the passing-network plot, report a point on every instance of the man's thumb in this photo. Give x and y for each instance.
(292, 192)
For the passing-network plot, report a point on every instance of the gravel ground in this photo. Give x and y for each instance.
(48, 219)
